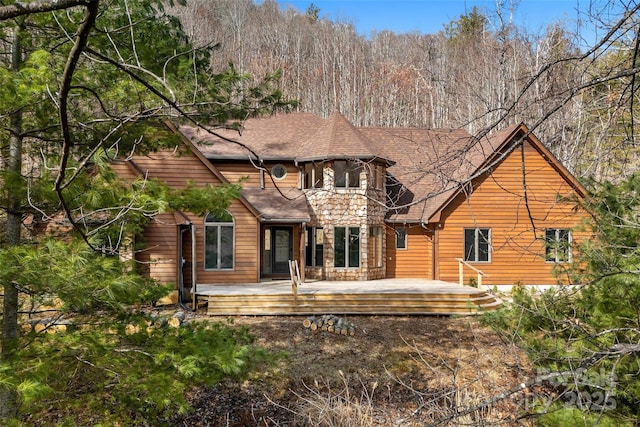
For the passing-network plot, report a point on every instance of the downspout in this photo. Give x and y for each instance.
(303, 261)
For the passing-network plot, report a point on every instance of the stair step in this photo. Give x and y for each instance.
(387, 303)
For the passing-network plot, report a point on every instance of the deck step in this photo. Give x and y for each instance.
(345, 303)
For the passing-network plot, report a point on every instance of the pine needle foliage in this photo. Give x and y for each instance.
(589, 334)
(110, 372)
(114, 362)
(85, 84)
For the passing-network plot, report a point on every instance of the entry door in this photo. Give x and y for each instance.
(282, 244)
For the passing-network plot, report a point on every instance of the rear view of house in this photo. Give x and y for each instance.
(354, 203)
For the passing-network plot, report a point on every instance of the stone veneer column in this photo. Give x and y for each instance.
(361, 207)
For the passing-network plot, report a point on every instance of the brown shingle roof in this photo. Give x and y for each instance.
(337, 138)
(290, 205)
(429, 164)
(295, 136)
(276, 137)
(426, 166)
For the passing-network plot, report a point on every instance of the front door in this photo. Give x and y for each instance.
(282, 244)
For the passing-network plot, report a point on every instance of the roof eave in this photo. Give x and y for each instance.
(404, 221)
(370, 158)
(284, 220)
(249, 157)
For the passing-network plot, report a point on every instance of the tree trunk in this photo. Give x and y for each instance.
(9, 396)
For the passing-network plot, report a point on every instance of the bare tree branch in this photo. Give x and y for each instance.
(22, 9)
(67, 77)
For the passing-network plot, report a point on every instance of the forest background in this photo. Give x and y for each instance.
(480, 72)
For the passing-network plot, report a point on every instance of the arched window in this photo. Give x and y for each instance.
(218, 241)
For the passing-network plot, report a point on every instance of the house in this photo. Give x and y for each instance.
(354, 203)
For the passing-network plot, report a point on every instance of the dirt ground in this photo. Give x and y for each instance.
(395, 371)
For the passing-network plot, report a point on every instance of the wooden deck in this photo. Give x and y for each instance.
(385, 296)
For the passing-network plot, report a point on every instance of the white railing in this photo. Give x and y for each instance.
(461, 264)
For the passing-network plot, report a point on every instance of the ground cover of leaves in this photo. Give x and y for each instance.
(395, 371)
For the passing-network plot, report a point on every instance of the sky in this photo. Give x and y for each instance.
(430, 16)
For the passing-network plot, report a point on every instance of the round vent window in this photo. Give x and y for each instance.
(278, 171)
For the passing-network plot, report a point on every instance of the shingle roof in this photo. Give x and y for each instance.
(276, 137)
(426, 166)
(337, 138)
(287, 205)
(295, 136)
(429, 164)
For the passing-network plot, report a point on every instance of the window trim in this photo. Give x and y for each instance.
(376, 177)
(278, 166)
(476, 245)
(396, 232)
(376, 243)
(311, 247)
(347, 258)
(312, 170)
(219, 225)
(557, 241)
(350, 167)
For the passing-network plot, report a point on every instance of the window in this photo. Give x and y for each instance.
(375, 245)
(401, 237)
(346, 247)
(313, 175)
(346, 174)
(218, 241)
(278, 171)
(376, 177)
(314, 249)
(557, 245)
(477, 244)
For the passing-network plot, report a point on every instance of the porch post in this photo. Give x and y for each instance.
(303, 263)
(435, 259)
(194, 267)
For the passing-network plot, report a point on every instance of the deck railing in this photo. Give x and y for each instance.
(461, 264)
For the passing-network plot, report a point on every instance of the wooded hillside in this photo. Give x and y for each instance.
(480, 72)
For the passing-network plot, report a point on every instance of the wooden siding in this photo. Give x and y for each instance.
(416, 260)
(123, 170)
(177, 170)
(158, 258)
(517, 227)
(236, 170)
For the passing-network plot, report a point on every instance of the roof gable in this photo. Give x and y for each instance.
(210, 166)
(489, 151)
(265, 205)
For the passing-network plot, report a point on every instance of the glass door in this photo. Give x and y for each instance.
(282, 246)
